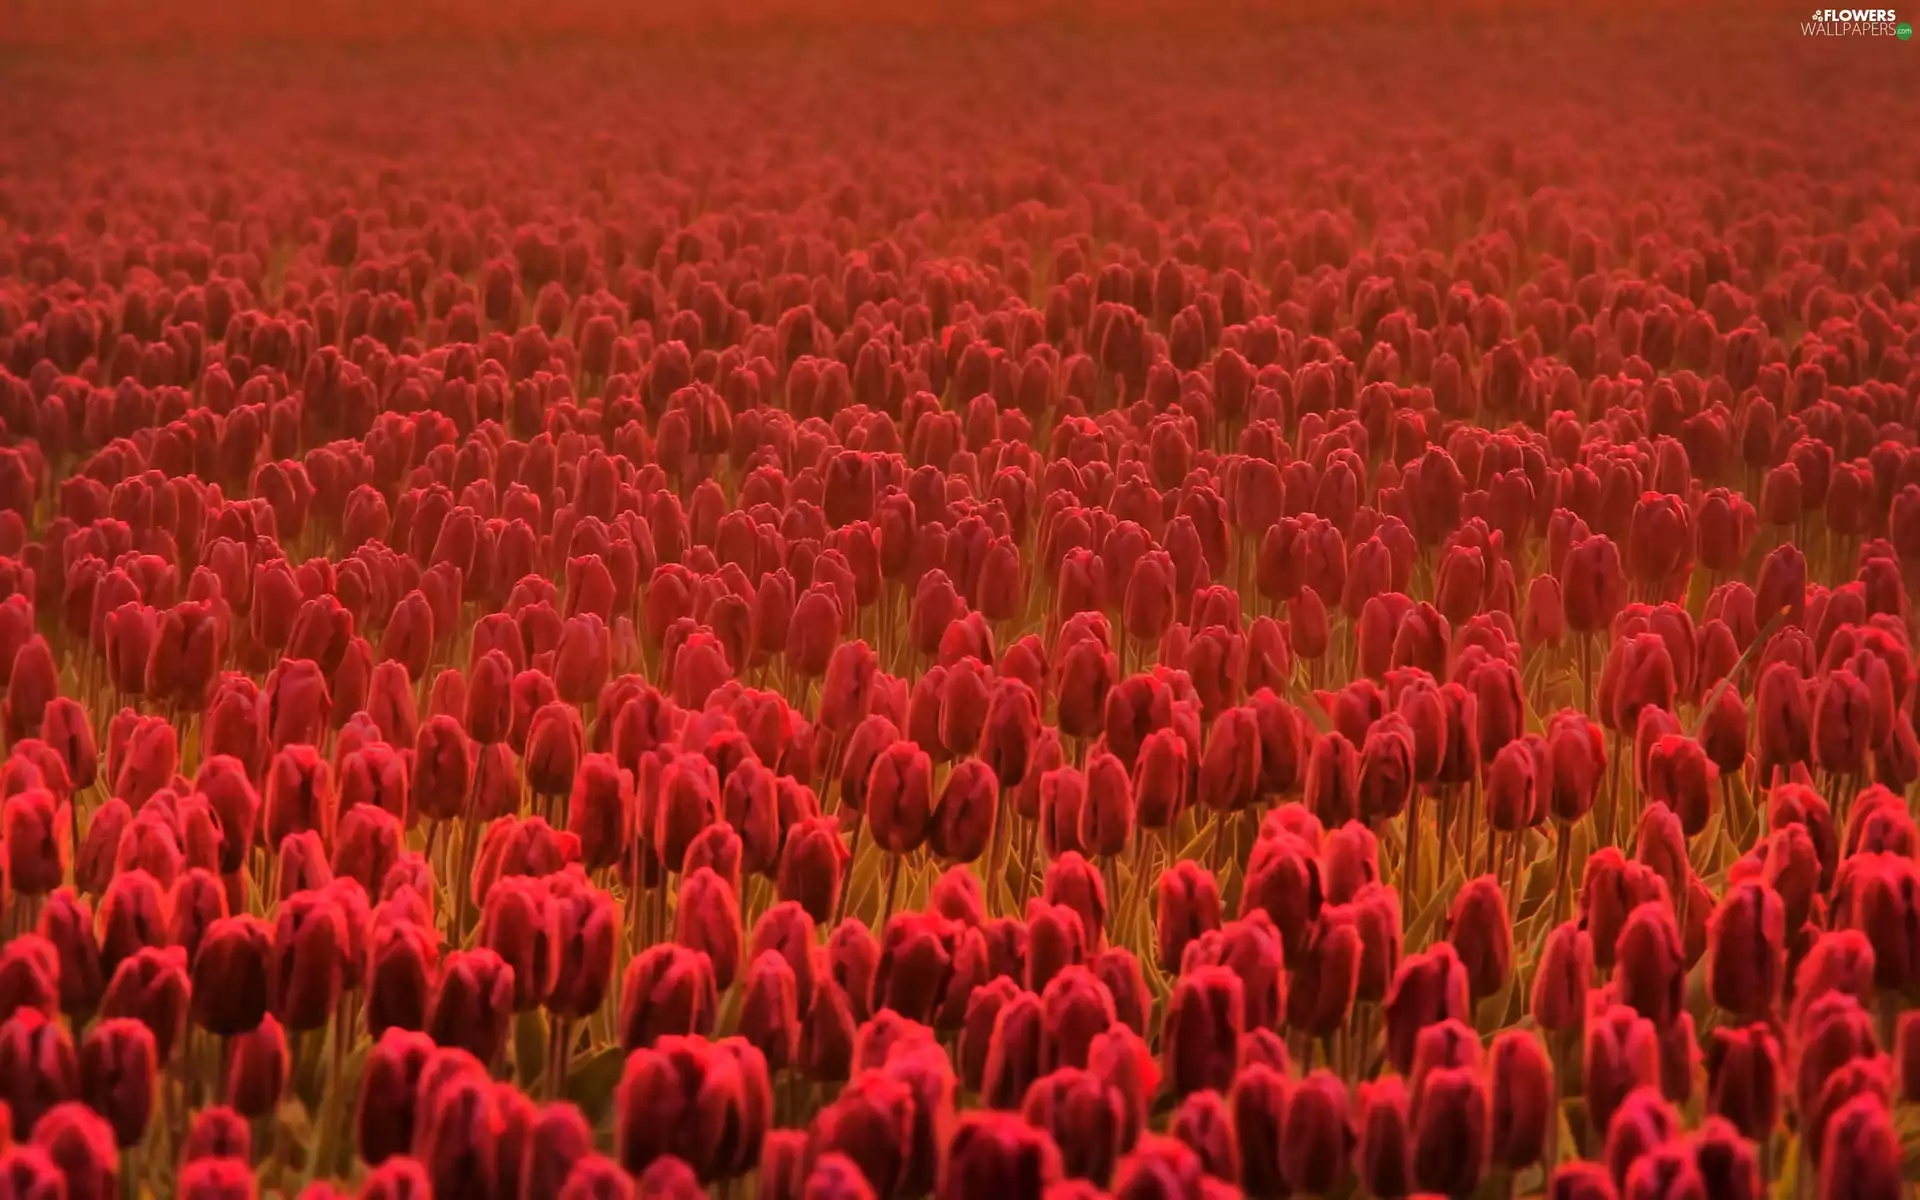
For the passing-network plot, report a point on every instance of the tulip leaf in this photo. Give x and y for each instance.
(1786, 1183)
(1564, 1148)
(1199, 846)
(1422, 926)
(591, 1080)
(1706, 847)
(1906, 1124)
(529, 1045)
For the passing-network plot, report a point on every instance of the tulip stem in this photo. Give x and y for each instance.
(633, 898)
(1411, 875)
(461, 880)
(846, 886)
(1496, 865)
(997, 859)
(1562, 868)
(1586, 668)
(560, 1044)
(893, 882)
(1026, 868)
(1473, 822)
(1136, 876)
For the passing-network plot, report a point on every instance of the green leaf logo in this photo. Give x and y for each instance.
(1903, 31)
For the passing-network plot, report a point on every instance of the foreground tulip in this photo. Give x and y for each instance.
(81, 1144)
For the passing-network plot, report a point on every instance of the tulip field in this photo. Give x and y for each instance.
(1037, 605)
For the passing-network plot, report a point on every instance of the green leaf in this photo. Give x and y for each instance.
(591, 1080)
(1421, 928)
(529, 1045)
(1786, 1183)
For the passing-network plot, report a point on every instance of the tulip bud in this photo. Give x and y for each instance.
(389, 1088)
(1074, 883)
(196, 901)
(708, 916)
(402, 962)
(1200, 1035)
(1187, 906)
(769, 1009)
(556, 742)
(297, 703)
(1543, 622)
(309, 960)
(1386, 769)
(132, 917)
(472, 1003)
(300, 796)
(1107, 814)
(1621, 1054)
(218, 1132)
(455, 1136)
(1203, 1123)
(963, 820)
(1650, 977)
(1056, 939)
(870, 1124)
(148, 756)
(750, 805)
(366, 845)
(1642, 1124)
(395, 1179)
(1523, 1099)
(33, 684)
(667, 990)
(40, 1070)
(1086, 1118)
(80, 1144)
(1746, 950)
(688, 801)
(1384, 1151)
(1230, 769)
(586, 925)
(1333, 779)
(1010, 731)
(1317, 1137)
(376, 776)
(1160, 1167)
(29, 976)
(488, 711)
(257, 1069)
(1592, 585)
(812, 866)
(1450, 1131)
(846, 697)
(520, 924)
(66, 728)
(998, 1155)
(1429, 988)
(1560, 983)
(230, 975)
(1577, 1180)
(1479, 929)
(117, 1065)
(36, 859)
(1861, 1153)
(1743, 1079)
(389, 701)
